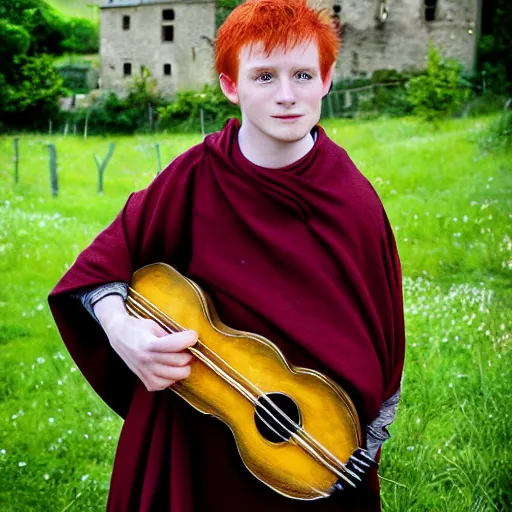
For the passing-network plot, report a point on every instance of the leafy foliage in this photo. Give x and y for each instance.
(495, 47)
(184, 113)
(30, 97)
(14, 40)
(29, 83)
(111, 114)
(499, 136)
(81, 36)
(440, 91)
(223, 8)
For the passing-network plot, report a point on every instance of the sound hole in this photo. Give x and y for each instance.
(271, 424)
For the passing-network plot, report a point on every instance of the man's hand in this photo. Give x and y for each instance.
(157, 358)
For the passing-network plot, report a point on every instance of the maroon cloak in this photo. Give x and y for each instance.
(303, 255)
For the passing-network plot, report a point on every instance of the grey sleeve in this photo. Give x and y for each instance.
(90, 297)
(377, 432)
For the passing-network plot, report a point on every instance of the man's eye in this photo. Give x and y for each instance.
(265, 77)
(302, 75)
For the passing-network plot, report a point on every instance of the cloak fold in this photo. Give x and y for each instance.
(303, 255)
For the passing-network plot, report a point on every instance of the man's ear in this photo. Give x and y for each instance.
(229, 88)
(327, 81)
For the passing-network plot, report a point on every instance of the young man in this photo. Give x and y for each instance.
(290, 240)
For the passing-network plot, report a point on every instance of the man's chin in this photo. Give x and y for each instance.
(291, 135)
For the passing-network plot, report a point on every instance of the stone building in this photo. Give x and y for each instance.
(395, 34)
(172, 39)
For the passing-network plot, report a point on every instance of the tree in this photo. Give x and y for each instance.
(14, 40)
(81, 36)
(30, 97)
(495, 47)
(223, 8)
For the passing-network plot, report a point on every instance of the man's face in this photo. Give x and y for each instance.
(280, 95)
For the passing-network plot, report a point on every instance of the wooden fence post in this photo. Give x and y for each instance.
(329, 105)
(86, 124)
(202, 122)
(53, 170)
(16, 160)
(103, 165)
(159, 162)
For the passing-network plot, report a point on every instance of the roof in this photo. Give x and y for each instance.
(105, 4)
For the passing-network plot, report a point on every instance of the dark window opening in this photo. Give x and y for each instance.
(193, 53)
(336, 9)
(430, 10)
(127, 69)
(126, 22)
(167, 69)
(168, 33)
(168, 14)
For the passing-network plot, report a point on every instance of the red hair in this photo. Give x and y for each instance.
(275, 23)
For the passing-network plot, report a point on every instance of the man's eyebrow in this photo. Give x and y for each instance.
(260, 69)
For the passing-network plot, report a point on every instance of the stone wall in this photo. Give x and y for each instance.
(190, 54)
(401, 42)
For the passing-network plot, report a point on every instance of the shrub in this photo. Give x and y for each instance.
(440, 91)
(499, 136)
(183, 114)
(110, 114)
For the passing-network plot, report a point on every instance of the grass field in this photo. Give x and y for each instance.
(450, 205)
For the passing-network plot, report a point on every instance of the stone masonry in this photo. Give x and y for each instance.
(171, 38)
(395, 34)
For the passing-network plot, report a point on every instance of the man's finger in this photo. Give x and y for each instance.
(172, 358)
(155, 329)
(172, 373)
(174, 342)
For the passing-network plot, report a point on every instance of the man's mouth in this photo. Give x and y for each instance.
(288, 116)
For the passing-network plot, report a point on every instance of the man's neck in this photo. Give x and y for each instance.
(270, 153)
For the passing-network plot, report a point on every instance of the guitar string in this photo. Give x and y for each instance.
(299, 441)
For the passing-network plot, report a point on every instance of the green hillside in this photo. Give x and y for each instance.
(76, 8)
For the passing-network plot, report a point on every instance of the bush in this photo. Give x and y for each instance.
(499, 136)
(390, 99)
(110, 114)
(485, 104)
(183, 114)
(440, 91)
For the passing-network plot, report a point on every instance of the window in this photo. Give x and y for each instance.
(126, 22)
(168, 14)
(127, 68)
(168, 33)
(337, 9)
(167, 69)
(430, 10)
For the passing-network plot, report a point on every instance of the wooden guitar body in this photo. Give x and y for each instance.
(296, 430)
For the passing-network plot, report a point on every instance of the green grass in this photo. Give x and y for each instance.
(450, 206)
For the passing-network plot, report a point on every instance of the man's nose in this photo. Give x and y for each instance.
(285, 94)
